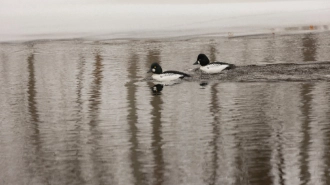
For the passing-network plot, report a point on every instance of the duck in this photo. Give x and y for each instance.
(161, 76)
(211, 68)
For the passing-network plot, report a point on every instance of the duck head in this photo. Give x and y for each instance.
(155, 68)
(202, 60)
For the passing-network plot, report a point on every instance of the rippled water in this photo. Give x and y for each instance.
(80, 112)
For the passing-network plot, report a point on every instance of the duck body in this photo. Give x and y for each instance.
(215, 67)
(212, 68)
(161, 76)
(169, 76)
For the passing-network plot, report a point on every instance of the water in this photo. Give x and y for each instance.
(82, 112)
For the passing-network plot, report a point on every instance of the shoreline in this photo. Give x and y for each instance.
(100, 21)
(114, 37)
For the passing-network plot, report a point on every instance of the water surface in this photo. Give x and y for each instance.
(82, 112)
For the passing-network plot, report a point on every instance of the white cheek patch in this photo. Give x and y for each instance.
(198, 62)
(153, 70)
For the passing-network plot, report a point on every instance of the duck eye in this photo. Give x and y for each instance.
(155, 67)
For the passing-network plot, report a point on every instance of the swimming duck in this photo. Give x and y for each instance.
(211, 68)
(161, 76)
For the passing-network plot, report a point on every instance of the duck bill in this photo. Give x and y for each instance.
(149, 71)
(196, 63)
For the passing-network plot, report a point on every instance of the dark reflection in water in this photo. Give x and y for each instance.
(260, 169)
(36, 161)
(306, 121)
(4, 66)
(158, 173)
(156, 124)
(309, 47)
(215, 110)
(152, 56)
(326, 140)
(280, 164)
(216, 113)
(270, 57)
(98, 163)
(157, 89)
(75, 112)
(309, 53)
(32, 96)
(75, 142)
(132, 120)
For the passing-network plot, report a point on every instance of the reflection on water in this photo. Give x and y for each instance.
(76, 112)
(98, 166)
(156, 89)
(132, 120)
(309, 47)
(75, 139)
(158, 169)
(34, 138)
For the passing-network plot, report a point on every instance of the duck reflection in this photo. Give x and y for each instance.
(203, 84)
(156, 89)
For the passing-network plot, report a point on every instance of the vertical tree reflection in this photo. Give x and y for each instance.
(259, 171)
(4, 66)
(280, 157)
(309, 48)
(326, 152)
(32, 97)
(270, 51)
(309, 54)
(35, 162)
(215, 110)
(216, 133)
(132, 120)
(76, 137)
(94, 102)
(212, 53)
(157, 139)
(304, 148)
(255, 136)
(156, 103)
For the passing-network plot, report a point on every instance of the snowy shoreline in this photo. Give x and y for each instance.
(115, 21)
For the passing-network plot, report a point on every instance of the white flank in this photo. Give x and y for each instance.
(213, 68)
(166, 77)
